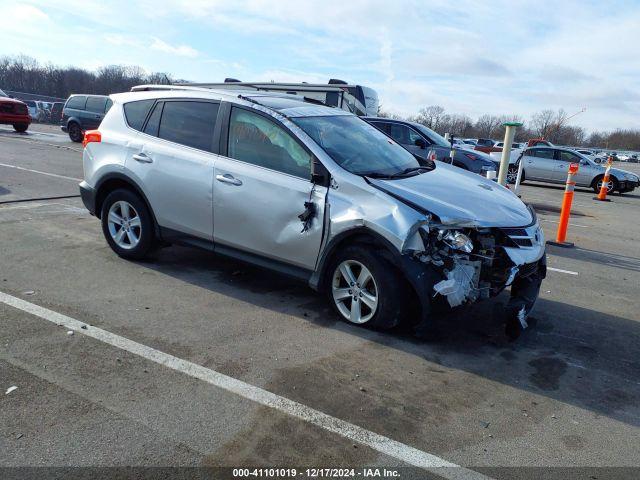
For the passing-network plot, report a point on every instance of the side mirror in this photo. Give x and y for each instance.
(420, 143)
(319, 173)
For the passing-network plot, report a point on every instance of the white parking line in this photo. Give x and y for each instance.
(41, 173)
(570, 224)
(380, 443)
(562, 271)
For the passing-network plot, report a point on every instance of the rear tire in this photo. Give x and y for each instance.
(375, 295)
(75, 132)
(512, 174)
(127, 224)
(20, 127)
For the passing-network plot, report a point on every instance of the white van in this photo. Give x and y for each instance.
(357, 99)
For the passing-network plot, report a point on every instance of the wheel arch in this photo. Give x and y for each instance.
(71, 120)
(358, 235)
(411, 270)
(600, 176)
(113, 181)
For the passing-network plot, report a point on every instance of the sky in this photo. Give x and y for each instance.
(471, 57)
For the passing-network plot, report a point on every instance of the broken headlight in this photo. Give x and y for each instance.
(458, 241)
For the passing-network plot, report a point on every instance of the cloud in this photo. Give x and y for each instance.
(25, 14)
(470, 57)
(180, 50)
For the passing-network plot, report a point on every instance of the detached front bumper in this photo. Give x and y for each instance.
(627, 185)
(501, 258)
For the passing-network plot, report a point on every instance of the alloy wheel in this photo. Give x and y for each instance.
(124, 225)
(354, 291)
(512, 174)
(609, 185)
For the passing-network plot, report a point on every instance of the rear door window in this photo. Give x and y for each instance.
(384, 126)
(136, 113)
(565, 156)
(96, 104)
(403, 134)
(542, 153)
(189, 123)
(77, 102)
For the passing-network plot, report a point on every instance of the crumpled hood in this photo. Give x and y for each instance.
(459, 197)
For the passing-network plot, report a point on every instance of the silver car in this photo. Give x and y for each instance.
(313, 192)
(551, 164)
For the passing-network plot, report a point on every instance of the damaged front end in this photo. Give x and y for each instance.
(472, 264)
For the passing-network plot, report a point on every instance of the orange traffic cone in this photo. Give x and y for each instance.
(561, 235)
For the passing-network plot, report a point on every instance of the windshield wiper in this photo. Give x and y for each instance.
(399, 174)
(407, 171)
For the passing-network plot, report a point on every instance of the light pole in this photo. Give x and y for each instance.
(509, 133)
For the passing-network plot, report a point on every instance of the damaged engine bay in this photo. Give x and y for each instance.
(474, 263)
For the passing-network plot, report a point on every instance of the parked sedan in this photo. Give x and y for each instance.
(487, 145)
(545, 164)
(425, 143)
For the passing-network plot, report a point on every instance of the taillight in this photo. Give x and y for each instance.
(91, 136)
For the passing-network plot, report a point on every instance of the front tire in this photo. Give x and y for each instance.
(512, 174)
(612, 187)
(127, 224)
(20, 127)
(365, 289)
(75, 132)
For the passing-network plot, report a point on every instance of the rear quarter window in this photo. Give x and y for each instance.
(77, 102)
(136, 113)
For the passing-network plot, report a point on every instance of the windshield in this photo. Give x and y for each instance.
(2, 94)
(433, 136)
(357, 146)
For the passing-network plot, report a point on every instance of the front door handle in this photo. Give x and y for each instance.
(142, 158)
(228, 178)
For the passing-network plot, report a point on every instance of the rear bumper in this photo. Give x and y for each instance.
(88, 195)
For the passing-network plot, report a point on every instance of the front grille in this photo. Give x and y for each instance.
(6, 107)
(517, 237)
(522, 242)
(518, 232)
(21, 109)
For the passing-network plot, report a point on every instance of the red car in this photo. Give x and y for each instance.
(14, 112)
(487, 146)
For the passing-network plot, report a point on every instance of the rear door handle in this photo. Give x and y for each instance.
(142, 158)
(230, 179)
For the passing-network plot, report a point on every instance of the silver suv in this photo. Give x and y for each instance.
(310, 191)
(551, 164)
